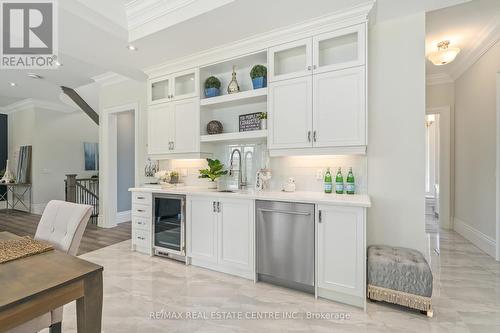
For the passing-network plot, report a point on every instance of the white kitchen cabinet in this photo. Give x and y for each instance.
(174, 87)
(160, 128)
(221, 235)
(290, 113)
(339, 108)
(201, 225)
(343, 48)
(236, 234)
(290, 60)
(173, 127)
(142, 225)
(341, 253)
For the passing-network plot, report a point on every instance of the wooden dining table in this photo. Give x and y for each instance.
(35, 285)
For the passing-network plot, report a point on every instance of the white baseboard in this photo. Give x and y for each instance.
(476, 237)
(125, 216)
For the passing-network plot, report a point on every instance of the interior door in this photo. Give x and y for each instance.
(341, 250)
(339, 108)
(187, 125)
(160, 128)
(236, 230)
(290, 113)
(290, 60)
(202, 229)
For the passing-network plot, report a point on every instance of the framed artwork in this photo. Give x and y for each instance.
(91, 152)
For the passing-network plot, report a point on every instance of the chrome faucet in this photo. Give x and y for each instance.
(241, 184)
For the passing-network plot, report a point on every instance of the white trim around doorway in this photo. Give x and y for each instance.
(108, 215)
(497, 256)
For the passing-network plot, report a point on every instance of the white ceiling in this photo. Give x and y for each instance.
(469, 26)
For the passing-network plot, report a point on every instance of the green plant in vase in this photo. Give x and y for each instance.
(214, 171)
(263, 120)
(212, 86)
(258, 74)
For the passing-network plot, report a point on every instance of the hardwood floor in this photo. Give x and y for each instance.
(24, 224)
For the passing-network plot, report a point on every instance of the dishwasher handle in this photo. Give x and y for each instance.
(284, 212)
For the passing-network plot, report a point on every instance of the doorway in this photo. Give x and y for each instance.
(119, 151)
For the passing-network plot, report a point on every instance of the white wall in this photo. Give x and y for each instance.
(396, 132)
(57, 139)
(475, 146)
(113, 96)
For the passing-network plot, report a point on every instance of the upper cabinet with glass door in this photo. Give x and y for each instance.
(334, 50)
(339, 49)
(174, 87)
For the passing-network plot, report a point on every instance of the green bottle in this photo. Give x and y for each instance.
(350, 188)
(328, 181)
(339, 182)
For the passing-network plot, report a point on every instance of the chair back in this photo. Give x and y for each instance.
(62, 224)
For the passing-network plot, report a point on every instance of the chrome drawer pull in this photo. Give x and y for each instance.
(141, 210)
(141, 198)
(141, 238)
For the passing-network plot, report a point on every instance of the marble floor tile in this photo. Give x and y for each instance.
(466, 297)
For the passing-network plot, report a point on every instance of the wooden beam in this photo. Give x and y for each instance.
(75, 97)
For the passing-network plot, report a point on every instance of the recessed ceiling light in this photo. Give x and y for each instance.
(35, 76)
(132, 47)
(12, 84)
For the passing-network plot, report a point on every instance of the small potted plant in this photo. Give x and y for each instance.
(174, 177)
(212, 86)
(213, 172)
(259, 76)
(263, 120)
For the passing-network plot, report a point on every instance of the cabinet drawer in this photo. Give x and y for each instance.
(140, 223)
(141, 198)
(141, 210)
(141, 238)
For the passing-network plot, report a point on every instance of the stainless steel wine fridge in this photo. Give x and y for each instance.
(169, 212)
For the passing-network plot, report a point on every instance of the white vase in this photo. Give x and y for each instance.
(212, 185)
(7, 176)
(263, 124)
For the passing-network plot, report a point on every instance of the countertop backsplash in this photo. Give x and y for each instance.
(304, 169)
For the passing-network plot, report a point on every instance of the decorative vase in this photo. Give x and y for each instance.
(263, 124)
(214, 127)
(212, 185)
(174, 179)
(233, 86)
(211, 92)
(259, 82)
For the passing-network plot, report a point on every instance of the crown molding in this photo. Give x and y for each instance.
(31, 104)
(146, 17)
(438, 78)
(339, 19)
(109, 78)
(488, 37)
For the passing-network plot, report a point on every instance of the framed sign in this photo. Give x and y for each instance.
(249, 122)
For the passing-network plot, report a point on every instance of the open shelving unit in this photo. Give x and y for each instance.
(245, 97)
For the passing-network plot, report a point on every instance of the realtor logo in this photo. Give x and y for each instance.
(29, 34)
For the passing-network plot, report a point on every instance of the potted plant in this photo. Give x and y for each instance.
(259, 76)
(263, 120)
(174, 177)
(213, 172)
(212, 86)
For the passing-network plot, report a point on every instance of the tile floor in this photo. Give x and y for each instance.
(466, 297)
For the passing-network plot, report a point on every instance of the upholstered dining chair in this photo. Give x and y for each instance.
(62, 224)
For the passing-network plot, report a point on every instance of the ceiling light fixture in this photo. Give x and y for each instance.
(132, 47)
(35, 76)
(12, 84)
(444, 55)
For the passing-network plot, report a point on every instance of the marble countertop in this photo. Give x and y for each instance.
(356, 200)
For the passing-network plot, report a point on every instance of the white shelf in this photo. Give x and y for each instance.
(250, 135)
(245, 97)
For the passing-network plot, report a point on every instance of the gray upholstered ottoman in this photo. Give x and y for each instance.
(400, 276)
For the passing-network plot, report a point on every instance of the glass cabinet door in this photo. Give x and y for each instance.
(185, 84)
(160, 89)
(339, 49)
(290, 60)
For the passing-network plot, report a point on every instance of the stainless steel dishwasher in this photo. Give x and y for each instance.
(285, 244)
